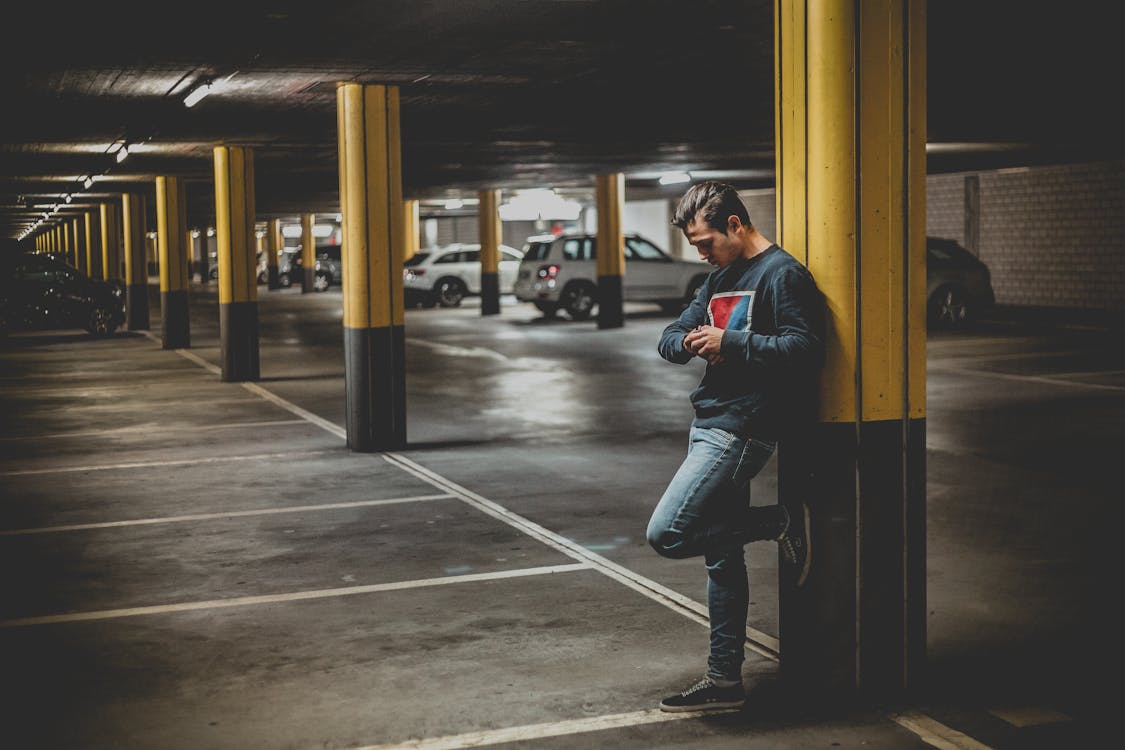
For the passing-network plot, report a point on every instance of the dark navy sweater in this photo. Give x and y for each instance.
(773, 345)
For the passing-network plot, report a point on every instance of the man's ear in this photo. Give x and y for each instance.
(733, 223)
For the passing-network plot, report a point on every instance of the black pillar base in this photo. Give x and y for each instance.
(272, 281)
(489, 293)
(307, 280)
(238, 341)
(611, 310)
(136, 307)
(375, 386)
(174, 326)
(858, 624)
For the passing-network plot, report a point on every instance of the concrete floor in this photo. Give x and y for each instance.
(188, 563)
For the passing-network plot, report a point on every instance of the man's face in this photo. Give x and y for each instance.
(720, 249)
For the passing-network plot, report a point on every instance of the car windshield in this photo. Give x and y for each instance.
(416, 259)
(949, 252)
(537, 250)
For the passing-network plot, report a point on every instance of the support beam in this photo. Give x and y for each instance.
(611, 250)
(489, 230)
(851, 111)
(274, 242)
(412, 242)
(238, 263)
(171, 217)
(136, 264)
(308, 253)
(370, 161)
(111, 240)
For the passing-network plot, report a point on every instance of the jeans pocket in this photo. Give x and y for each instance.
(755, 455)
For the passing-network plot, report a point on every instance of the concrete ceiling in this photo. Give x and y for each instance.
(495, 93)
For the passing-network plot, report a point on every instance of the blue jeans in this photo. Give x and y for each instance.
(706, 511)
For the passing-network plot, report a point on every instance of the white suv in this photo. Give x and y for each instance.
(561, 273)
(446, 275)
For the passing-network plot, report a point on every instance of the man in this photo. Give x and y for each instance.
(758, 322)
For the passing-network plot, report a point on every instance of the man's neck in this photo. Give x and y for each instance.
(755, 244)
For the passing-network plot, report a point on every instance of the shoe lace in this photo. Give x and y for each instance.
(701, 685)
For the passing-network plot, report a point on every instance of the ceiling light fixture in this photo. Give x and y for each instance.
(122, 152)
(674, 178)
(202, 89)
(88, 181)
(67, 198)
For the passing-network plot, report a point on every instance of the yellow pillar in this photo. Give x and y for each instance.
(238, 262)
(274, 242)
(136, 262)
(370, 161)
(490, 230)
(412, 234)
(850, 172)
(308, 253)
(171, 218)
(611, 251)
(111, 240)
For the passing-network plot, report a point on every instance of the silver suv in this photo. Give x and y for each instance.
(561, 273)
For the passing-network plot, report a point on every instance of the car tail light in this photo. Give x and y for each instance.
(549, 272)
(410, 273)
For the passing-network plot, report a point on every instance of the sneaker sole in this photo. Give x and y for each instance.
(808, 548)
(724, 706)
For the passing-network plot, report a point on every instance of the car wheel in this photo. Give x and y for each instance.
(101, 322)
(950, 308)
(284, 281)
(449, 292)
(578, 299)
(547, 308)
(321, 282)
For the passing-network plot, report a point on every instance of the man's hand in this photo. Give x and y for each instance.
(705, 341)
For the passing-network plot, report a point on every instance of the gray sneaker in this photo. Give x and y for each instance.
(793, 543)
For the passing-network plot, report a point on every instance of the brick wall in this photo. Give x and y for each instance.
(1052, 236)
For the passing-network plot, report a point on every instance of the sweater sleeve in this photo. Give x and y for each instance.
(671, 344)
(798, 309)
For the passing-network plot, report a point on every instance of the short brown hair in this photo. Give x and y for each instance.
(712, 202)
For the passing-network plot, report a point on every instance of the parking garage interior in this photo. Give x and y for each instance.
(198, 560)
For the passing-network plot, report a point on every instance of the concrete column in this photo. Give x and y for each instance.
(111, 240)
(489, 230)
(94, 244)
(308, 252)
(136, 264)
(412, 242)
(274, 242)
(611, 250)
(851, 104)
(78, 245)
(171, 218)
(238, 275)
(370, 159)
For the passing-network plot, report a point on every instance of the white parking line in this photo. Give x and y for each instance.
(538, 731)
(149, 428)
(935, 733)
(225, 514)
(1042, 379)
(292, 596)
(151, 464)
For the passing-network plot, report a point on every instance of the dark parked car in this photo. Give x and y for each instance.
(41, 292)
(958, 285)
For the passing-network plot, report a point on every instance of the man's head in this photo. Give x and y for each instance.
(715, 221)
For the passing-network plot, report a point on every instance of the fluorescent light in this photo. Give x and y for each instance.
(88, 181)
(122, 152)
(674, 178)
(454, 203)
(67, 198)
(197, 93)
